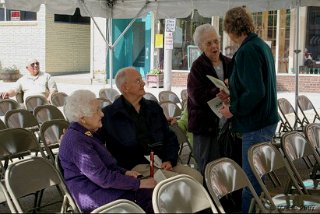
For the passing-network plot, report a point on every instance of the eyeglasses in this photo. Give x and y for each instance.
(35, 63)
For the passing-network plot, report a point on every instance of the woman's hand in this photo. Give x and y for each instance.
(224, 96)
(225, 111)
(132, 174)
(166, 166)
(147, 183)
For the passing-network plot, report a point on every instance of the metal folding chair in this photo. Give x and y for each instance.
(119, 206)
(181, 194)
(307, 109)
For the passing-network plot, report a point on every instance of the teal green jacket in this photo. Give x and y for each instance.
(253, 91)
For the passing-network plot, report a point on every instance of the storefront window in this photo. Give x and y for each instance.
(182, 39)
(17, 15)
(313, 35)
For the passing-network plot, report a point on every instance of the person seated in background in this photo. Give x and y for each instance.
(133, 126)
(35, 82)
(90, 171)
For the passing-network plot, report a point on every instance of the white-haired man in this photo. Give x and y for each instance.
(35, 82)
(133, 126)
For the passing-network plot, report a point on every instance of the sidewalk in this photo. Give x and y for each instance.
(70, 83)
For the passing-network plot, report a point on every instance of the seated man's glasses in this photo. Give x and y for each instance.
(35, 63)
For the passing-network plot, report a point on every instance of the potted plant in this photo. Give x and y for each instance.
(9, 74)
(155, 78)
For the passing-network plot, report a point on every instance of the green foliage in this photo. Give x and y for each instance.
(10, 69)
(155, 71)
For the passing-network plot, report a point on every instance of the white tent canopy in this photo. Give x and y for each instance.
(163, 8)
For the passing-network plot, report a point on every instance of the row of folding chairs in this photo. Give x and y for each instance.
(292, 120)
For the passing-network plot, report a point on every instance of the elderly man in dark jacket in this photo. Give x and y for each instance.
(133, 126)
(203, 122)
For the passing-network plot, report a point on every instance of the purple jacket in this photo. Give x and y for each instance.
(201, 118)
(91, 173)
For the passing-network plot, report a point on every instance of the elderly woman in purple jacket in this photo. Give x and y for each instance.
(90, 172)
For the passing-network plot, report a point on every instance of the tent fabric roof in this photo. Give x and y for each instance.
(164, 8)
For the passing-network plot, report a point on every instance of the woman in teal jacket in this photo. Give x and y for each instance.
(253, 93)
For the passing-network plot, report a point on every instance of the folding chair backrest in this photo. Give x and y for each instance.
(312, 133)
(224, 176)
(306, 107)
(17, 142)
(58, 98)
(169, 96)
(30, 176)
(181, 194)
(184, 94)
(104, 102)
(21, 118)
(44, 113)
(289, 115)
(50, 133)
(33, 101)
(7, 105)
(183, 140)
(150, 96)
(119, 206)
(109, 93)
(170, 109)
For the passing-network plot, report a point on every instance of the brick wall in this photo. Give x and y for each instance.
(285, 82)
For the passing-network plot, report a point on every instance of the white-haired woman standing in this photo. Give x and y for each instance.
(202, 122)
(91, 173)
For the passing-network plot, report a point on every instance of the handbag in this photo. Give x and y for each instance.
(226, 140)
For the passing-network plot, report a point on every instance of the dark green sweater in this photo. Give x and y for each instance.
(253, 91)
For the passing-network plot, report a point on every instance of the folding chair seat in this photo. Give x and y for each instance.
(307, 109)
(119, 206)
(2, 125)
(169, 96)
(104, 102)
(181, 194)
(291, 120)
(58, 98)
(33, 101)
(183, 142)
(32, 176)
(170, 109)
(109, 93)
(50, 133)
(150, 96)
(7, 105)
(303, 160)
(223, 177)
(44, 113)
(267, 161)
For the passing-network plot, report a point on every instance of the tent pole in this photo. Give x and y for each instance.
(110, 52)
(297, 51)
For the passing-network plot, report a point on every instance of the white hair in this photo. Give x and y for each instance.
(205, 28)
(79, 104)
(120, 77)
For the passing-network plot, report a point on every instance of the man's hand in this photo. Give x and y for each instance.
(166, 166)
